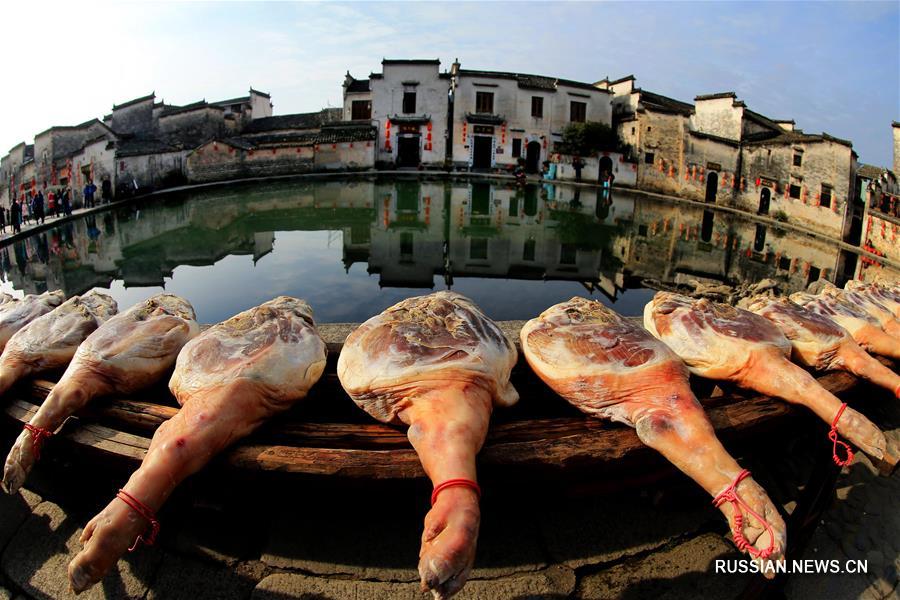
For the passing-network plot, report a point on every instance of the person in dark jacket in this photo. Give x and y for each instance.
(67, 202)
(39, 207)
(15, 216)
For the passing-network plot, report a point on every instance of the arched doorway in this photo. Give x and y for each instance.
(764, 196)
(533, 157)
(712, 186)
(604, 169)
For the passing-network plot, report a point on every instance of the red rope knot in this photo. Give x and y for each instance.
(455, 483)
(38, 436)
(729, 494)
(143, 510)
(833, 436)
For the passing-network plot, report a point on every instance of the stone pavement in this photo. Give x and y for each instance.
(245, 538)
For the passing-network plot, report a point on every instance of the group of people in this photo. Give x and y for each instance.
(35, 206)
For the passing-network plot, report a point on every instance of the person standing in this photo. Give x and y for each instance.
(51, 204)
(39, 207)
(2, 220)
(106, 190)
(67, 202)
(577, 164)
(15, 216)
(89, 190)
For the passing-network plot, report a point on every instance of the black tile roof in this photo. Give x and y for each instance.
(176, 110)
(240, 100)
(136, 146)
(358, 86)
(715, 96)
(311, 120)
(410, 61)
(259, 93)
(529, 81)
(793, 137)
(150, 96)
(660, 103)
(870, 171)
(337, 133)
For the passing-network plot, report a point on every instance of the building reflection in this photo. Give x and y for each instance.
(412, 234)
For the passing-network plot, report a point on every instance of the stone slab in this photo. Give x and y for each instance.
(284, 586)
(555, 582)
(590, 531)
(37, 557)
(182, 577)
(15, 509)
(684, 571)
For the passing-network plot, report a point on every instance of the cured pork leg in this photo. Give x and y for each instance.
(16, 314)
(871, 305)
(863, 327)
(228, 380)
(611, 368)
(718, 341)
(822, 344)
(49, 342)
(887, 296)
(129, 352)
(437, 364)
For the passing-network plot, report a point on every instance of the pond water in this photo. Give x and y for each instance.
(352, 248)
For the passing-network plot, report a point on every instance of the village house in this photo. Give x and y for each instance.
(499, 118)
(285, 145)
(879, 189)
(408, 103)
(719, 151)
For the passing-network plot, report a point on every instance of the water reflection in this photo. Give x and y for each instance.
(355, 247)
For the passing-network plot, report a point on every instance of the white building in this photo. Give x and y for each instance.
(500, 117)
(408, 103)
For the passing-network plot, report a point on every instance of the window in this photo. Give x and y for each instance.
(798, 158)
(795, 191)
(649, 128)
(784, 263)
(409, 103)
(642, 230)
(361, 110)
(632, 131)
(825, 198)
(567, 254)
(478, 248)
(484, 102)
(649, 158)
(814, 274)
(517, 148)
(577, 112)
(537, 107)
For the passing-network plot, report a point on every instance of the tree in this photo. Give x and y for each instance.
(588, 138)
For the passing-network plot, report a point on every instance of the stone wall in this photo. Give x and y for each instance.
(216, 161)
(882, 237)
(719, 116)
(151, 170)
(193, 127)
(133, 118)
(625, 173)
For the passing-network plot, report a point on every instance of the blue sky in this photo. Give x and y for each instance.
(830, 66)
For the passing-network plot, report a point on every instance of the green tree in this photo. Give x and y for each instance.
(588, 138)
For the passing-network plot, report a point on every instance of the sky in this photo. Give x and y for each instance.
(830, 66)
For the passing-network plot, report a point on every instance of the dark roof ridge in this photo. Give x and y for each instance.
(150, 96)
(715, 96)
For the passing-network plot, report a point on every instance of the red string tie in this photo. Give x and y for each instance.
(455, 483)
(833, 436)
(38, 436)
(729, 494)
(143, 510)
